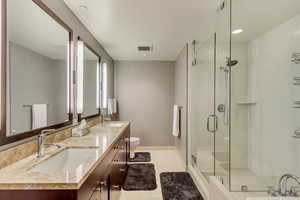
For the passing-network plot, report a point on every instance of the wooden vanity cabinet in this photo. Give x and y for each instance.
(119, 166)
(104, 183)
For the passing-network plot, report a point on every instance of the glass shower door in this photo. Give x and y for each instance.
(223, 94)
(202, 107)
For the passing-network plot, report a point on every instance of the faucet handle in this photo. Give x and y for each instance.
(41, 137)
(293, 191)
(43, 132)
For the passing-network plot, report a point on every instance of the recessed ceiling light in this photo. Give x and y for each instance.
(83, 7)
(237, 31)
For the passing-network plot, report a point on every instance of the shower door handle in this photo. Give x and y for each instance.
(216, 125)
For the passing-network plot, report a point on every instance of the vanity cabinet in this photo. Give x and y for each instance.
(104, 183)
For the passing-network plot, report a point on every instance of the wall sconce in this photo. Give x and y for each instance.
(98, 92)
(80, 65)
(69, 90)
(104, 85)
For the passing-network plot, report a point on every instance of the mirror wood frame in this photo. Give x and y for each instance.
(3, 79)
(79, 115)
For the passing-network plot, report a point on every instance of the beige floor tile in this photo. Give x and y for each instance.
(167, 160)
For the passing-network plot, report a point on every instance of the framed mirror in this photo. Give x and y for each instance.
(35, 72)
(89, 82)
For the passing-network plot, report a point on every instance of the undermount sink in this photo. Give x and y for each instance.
(68, 160)
(274, 198)
(114, 125)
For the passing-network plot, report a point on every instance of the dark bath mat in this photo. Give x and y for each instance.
(179, 186)
(141, 157)
(140, 177)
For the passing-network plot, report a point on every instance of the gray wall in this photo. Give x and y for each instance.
(62, 11)
(35, 79)
(145, 91)
(110, 79)
(180, 98)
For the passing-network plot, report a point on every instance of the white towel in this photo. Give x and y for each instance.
(111, 106)
(39, 116)
(175, 131)
(115, 106)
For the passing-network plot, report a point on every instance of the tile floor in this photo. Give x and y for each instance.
(165, 160)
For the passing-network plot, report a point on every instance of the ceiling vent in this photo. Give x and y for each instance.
(145, 48)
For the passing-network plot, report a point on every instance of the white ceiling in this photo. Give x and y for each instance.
(256, 17)
(122, 25)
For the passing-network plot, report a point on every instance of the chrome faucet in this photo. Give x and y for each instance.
(282, 185)
(42, 144)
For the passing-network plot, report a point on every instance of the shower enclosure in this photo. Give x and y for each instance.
(244, 94)
(209, 102)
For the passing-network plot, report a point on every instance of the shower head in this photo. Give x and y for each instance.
(233, 63)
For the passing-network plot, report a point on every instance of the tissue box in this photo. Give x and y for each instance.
(78, 132)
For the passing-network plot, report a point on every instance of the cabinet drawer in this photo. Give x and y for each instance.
(100, 174)
(118, 169)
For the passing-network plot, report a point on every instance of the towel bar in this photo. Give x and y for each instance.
(30, 105)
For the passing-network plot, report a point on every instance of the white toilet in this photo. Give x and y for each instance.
(134, 142)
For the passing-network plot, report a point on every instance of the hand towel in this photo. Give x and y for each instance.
(111, 106)
(176, 131)
(115, 109)
(39, 116)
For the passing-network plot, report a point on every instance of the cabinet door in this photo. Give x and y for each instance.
(117, 175)
(115, 187)
(127, 139)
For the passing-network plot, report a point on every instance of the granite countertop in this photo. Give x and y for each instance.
(20, 176)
